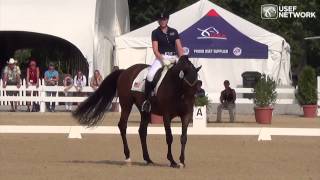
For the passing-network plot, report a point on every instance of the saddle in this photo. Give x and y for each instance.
(138, 84)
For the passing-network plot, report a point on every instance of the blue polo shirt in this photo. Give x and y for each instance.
(51, 74)
(166, 41)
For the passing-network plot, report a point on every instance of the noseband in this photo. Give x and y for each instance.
(189, 83)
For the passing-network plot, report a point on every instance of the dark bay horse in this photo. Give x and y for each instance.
(175, 97)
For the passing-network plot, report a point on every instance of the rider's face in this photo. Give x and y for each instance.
(163, 22)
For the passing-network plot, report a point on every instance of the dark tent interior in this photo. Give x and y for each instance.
(44, 48)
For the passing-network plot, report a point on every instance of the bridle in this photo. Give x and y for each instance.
(189, 83)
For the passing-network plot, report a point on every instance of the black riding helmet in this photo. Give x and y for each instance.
(163, 15)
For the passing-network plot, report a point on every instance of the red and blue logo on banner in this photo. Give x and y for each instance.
(213, 37)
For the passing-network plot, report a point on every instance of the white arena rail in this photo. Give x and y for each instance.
(263, 133)
(22, 97)
(42, 98)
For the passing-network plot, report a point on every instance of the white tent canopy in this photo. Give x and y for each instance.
(135, 47)
(90, 25)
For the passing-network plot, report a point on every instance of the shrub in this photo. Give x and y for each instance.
(202, 101)
(265, 91)
(307, 87)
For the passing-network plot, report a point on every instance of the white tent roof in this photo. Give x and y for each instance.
(135, 47)
(186, 17)
(90, 25)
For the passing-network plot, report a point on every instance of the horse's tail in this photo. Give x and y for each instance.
(91, 111)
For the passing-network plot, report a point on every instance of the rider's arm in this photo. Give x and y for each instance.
(155, 45)
(179, 47)
(156, 51)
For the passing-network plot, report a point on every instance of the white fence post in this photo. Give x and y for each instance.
(42, 95)
(318, 95)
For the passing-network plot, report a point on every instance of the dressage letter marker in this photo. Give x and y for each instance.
(199, 117)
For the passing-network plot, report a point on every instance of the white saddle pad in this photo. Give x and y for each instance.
(139, 82)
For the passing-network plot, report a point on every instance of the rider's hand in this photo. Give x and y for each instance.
(166, 62)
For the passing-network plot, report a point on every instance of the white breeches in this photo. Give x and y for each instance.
(157, 64)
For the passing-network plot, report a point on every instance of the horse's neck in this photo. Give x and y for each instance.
(172, 81)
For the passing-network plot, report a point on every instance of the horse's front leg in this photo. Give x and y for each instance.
(169, 139)
(183, 139)
(143, 136)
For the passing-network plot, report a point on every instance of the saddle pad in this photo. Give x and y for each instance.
(139, 82)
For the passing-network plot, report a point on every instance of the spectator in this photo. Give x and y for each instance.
(68, 84)
(51, 78)
(11, 77)
(33, 75)
(227, 99)
(96, 80)
(200, 92)
(80, 81)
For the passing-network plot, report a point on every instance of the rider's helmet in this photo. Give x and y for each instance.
(163, 15)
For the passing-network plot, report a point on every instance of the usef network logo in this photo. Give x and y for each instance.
(269, 11)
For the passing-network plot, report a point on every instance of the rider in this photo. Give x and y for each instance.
(166, 47)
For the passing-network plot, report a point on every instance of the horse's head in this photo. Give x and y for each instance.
(188, 74)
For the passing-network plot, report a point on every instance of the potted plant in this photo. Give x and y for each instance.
(201, 101)
(265, 97)
(200, 111)
(307, 91)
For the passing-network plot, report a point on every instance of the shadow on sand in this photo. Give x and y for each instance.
(115, 163)
(235, 122)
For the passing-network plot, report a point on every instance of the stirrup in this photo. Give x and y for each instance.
(146, 106)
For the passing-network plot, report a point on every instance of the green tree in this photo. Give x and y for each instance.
(294, 31)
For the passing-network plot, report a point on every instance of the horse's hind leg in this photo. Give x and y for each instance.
(143, 136)
(125, 111)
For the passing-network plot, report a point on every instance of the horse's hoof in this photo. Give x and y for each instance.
(174, 165)
(128, 162)
(181, 165)
(149, 162)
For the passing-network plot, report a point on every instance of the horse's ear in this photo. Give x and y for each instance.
(198, 68)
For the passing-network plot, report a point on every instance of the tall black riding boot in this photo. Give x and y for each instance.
(146, 105)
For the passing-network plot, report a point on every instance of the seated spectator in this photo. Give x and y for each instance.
(68, 84)
(96, 80)
(80, 81)
(33, 74)
(200, 92)
(227, 99)
(11, 77)
(51, 78)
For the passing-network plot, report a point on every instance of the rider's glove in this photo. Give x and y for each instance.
(166, 62)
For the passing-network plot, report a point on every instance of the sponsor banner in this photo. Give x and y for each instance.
(213, 37)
